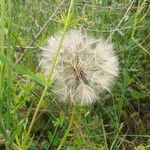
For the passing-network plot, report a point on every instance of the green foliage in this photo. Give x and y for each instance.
(120, 120)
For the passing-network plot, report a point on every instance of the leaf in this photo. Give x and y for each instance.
(21, 69)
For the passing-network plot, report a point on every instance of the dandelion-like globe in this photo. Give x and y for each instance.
(85, 68)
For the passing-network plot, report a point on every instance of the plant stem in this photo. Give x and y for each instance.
(2, 42)
(104, 132)
(48, 82)
(68, 129)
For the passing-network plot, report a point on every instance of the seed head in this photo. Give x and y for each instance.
(85, 68)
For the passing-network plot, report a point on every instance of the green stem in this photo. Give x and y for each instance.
(2, 25)
(2, 52)
(48, 82)
(2, 43)
(68, 129)
(139, 9)
(104, 132)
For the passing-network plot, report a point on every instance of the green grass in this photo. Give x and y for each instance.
(119, 120)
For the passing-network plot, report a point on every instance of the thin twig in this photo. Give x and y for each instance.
(129, 8)
(42, 29)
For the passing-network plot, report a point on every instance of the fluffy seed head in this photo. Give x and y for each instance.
(85, 68)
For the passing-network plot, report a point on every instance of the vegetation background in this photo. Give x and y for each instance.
(120, 120)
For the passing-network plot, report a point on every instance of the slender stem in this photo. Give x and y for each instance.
(139, 9)
(39, 33)
(48, 82)
(2, 43)
(2, 25)
(68, 129)
(104, 132)
(51, 17)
